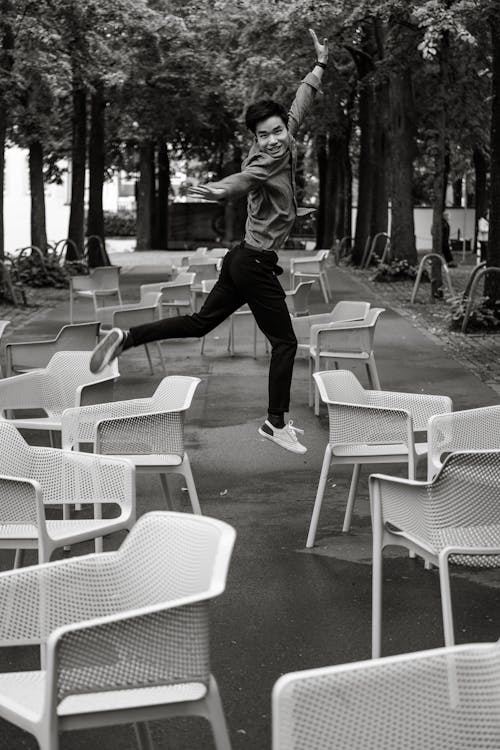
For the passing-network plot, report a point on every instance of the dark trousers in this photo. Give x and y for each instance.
(247, 276)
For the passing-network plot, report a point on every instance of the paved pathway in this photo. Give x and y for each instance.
(285, 608)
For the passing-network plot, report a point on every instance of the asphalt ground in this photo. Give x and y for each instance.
(284, 608)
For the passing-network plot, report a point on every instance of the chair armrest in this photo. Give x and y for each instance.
(400, 503)
(21, 501)
(22, 391)
(144, 434)
(369, 425)
(99, 391)
(338, 332)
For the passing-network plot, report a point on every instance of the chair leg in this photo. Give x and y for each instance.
(311, 382)
(377, 566)
(352, 497)
(319, 497)
(324, 289)
(71, 305)
(166, 491)
(150, 362)
(188, 475)
(143, 736)
(160, 354)
(216, 717)
(444, 582)
(19, 558)
(373, 374)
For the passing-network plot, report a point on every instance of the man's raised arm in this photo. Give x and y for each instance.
(309, 85)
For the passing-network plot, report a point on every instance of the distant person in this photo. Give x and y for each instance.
(250, 270)
(445, 241)
(483, 230)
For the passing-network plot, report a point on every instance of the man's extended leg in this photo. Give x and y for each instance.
(223, 300)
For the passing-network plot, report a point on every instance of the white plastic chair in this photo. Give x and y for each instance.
(205, 269)
(454, 519)
(345, 310)
(218, 252)
(470, 429)
(341, 342)
(176, 295)
(147, 310)
(297, 300)
(100, 283)
(444, 698)
(149, 432)
(33, 477)
(22, 356)
(126, 633)
(66, 382)
(313, 267)
(369, 427)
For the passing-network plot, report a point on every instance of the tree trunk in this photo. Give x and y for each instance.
(380, 200)
(331, 191)
(144, 195)
(95, 219)
(76, 229)
(37, 192)
(492, 286)
(402, 154)
(365, 170)
(321, 158)
(163, 188)
(6, 62)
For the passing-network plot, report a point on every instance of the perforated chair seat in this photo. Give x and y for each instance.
(377, 452)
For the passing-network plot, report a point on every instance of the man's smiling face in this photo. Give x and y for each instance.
(272, 136)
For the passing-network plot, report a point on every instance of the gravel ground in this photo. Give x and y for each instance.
(478, 351)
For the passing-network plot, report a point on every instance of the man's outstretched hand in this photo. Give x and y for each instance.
(321, 49)
(206, 192)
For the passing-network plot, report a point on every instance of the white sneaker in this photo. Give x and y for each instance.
(107, 349)
(285, 437)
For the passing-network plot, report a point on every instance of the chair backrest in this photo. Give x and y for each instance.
(470, 429)
(105, 277)
(218, 252)
(16, 456)
(160, 629)
(207, 285)
(297, 300)
(459, 508)
(160, 431)
(341, 386)
(59, 386)
(206, 270)
(184, 277)
(135, 316)
(350, 337)
(446, 698)
(350, 310)
(26, 355)
(176, 292)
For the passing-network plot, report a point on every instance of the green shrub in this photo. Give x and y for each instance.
(119, 223)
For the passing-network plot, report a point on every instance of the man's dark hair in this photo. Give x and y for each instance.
(263, 109)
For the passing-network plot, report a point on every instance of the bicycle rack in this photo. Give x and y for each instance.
(420, 272)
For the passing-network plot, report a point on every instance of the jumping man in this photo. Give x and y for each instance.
(249, 271)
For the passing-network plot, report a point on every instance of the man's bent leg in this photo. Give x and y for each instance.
(220, 303)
